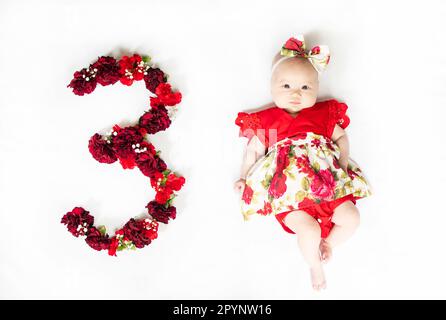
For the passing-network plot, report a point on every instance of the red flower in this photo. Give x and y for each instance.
(295, 45)
(316, 50)
(96, 240)
(283, 159)
(267, 209)
(155, 120)
(336, 163)
(247, 194)
(83, 82)
(351, 174)
(330, 146)
(131, 68)
(160, 164)
(174, 182)
(101, 150)
(315, 143)
(303, 165)
(114, 243)
(146, 163)
(163, 195)
(153, 78)
(323, 185)
(160, 212)
(128, 163)
(123, 141)
(156, 179)
(166, 96)
(107, 71)
(155, 102)
(135, 231)
(78, 221)
(151, 234)
(278, 186)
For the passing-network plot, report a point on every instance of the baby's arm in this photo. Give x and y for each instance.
(254, 151)
(341, 139)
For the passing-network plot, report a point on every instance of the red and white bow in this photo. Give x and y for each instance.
(319, 56)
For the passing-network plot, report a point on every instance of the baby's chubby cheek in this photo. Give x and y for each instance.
(279, 98)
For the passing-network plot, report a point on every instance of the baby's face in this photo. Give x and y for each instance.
(294, 84)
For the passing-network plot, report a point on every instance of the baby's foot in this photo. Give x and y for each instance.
(318, 278)
(325, 251)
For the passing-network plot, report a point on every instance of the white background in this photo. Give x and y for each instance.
(388, 64)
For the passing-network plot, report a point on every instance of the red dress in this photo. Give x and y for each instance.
(276, 128)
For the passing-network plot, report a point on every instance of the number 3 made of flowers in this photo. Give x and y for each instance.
(130, 146)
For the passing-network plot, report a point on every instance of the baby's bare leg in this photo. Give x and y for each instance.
(308, 236)
(346, 220)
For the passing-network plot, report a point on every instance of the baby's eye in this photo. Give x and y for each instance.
(286, 86)
(305, 87)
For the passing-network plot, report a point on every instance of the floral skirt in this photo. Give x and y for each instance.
(299, 173)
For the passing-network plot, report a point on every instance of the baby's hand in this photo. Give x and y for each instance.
(239, 185)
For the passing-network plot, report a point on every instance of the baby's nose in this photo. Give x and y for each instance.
(296, 92)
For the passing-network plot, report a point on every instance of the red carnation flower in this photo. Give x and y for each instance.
(163, 195)
(147, 163)
(167, 97)
(128, 163)
(96, 240)
(131, 68)
(155, 102)
(83, 83)
(160, 212)
(107, 71)
(134, 231)
(114, 243)
(153, 78)
(155, 120)
(101, 150)
(174, 182)
(156, 179)
(160, 164)
(123, 141)
(77, 221)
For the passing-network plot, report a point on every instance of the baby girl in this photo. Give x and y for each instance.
(297, 163)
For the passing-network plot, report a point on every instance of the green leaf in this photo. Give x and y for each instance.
(102, 230)
(305, 184)
(335, 175)
(267, 181)
(300, 195)
(146, 59)
(316, 167)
